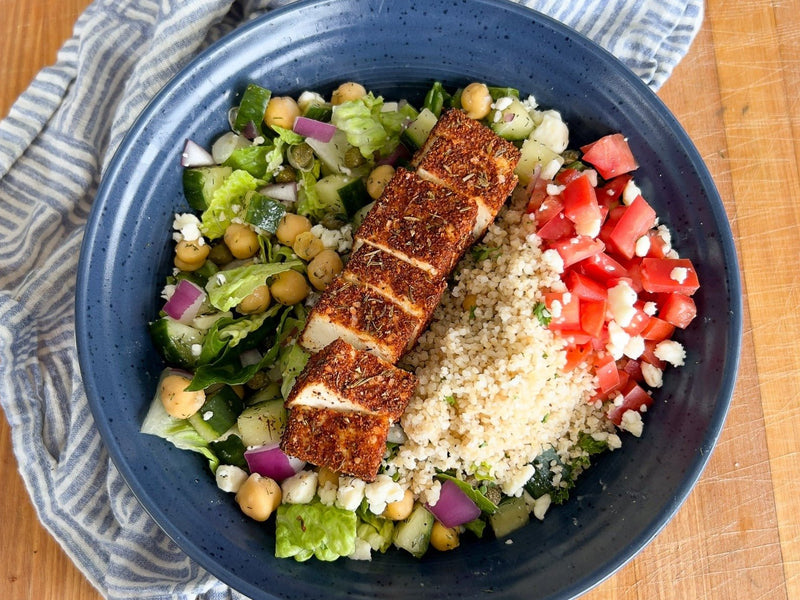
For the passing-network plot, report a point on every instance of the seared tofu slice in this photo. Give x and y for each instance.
(420, 222)
(341, 377)
(417, 291)
(363, 318)
(346, 442)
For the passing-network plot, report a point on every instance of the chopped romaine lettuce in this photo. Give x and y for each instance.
(288, 136)
(376, 531)
(252, 159)
(306, 530)
(310, 204)
(368, 127)
(224, 202)
(228, 288)
(292, 360)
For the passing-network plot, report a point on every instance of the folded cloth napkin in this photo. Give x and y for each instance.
(54, 145)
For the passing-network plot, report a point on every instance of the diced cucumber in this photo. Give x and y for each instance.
(533, 153)
(437, 98)
(419, 129)
(218, 413)
(174, 341)
(252, 107)
(230, 451)
(359, 217)
(500, 92)
(263, 212)
(320, 111)
(331, 154)
(252, 159)
(513, 122)
(509, 516)
(414, 534)
(262, 423)
(200, 183)
(343, 191)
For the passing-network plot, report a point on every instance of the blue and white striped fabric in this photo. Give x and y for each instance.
(54, 145)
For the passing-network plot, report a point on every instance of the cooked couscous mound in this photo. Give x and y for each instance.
(492, 394)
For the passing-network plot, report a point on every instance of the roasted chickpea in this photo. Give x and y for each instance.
(290, 227)
(348, 91)
(289, 287)
(444, 538)
(327, 475)
(397, 511)
(323, 268)
(241, 240)
(281, 111)
(178, 402)
(476, 100)
(192, 252)
(256, 301)
(258, 497)
(377, 180)
(307, 245)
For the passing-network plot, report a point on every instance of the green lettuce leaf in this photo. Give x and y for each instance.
(252, 159)
(367, 126)
(220, 212)
(236, 284)
(288, 136)
(292, 361)
(306, 530)
(374, 530)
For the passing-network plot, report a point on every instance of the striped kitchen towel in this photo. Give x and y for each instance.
(54, 145)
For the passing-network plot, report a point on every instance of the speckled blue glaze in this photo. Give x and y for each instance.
(397, 48)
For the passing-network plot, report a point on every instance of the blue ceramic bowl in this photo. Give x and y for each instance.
(398, 49)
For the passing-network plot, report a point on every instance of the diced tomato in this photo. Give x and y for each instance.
(538, 194)
(658, 330)
(585, 287)
(576, 249)
(576, 354)
(637, 219)
(678, 310)
(581, 207)
(634, 397)
(610, 155)
(565, 176)
(649, 355)
(634, 369)
(593, 317)
(638, 322)
(633, 271)
(658, 247)
(605, 368)
(666, 275)
(601, 267)
(568, 316)
(553, 225)
(609, 194)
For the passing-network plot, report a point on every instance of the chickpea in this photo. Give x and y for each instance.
(258, 497)
(256, 301)
(397, 511)
(289, 287)
(378, 179)
(444, 538)
(192, 252)
(281, 111)
(176, 400)
(327, 475)
(348, 91)
(290, 227)
(307, 245)
(476, 100)
(323, 268)
(241, 240)
(184, 266)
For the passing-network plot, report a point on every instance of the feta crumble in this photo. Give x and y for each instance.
(671, 351)
(230, 478)
(632, 422)
(300, 488)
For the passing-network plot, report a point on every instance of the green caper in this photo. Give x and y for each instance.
(300, 156)
(220, 254)
(286, 175)
(353, 158)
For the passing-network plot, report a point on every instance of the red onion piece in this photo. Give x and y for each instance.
(508, 117)
(194, 155)
(285, 192)
(398, 154)
(270, 461)
(249, 131)
(185, 302)
(314, 129)
(454, 507)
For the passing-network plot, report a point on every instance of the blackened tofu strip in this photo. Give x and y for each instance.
(420, 222)
(415, 290)
(362, 318)
(340, 377)
(347, 442)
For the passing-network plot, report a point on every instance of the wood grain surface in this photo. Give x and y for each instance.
(737, 93)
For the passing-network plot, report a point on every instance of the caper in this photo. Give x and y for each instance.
(286, 175)
(353, 158)
(300, 156)
(220, 254)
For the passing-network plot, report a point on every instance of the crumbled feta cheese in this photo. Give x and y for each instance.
(617, 340)
(530, 103)
(541, 505)
(509, 542)
(230, 478)
(327, 493)
(188, 227)
(614, 443)
(196, 349)
(621, 300)
(650, 308)
(554, 190)
(168, 291)
(381, 492)
(551, 169)
(635, 347)
(300, 488)
(632, 422)
(642, 246)
(513, 486)
(350, 493)
(630, 192)
(340, 240)
(305, 100)
(671, 351)
(208, 415)
(653, 376)
(591, 174)
(552, 131)
(503, 103)
(679, 274)
(362, 550)
(672, 253)
(556, 309)
(553, 259)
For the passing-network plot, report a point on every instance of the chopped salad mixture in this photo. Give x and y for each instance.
(543, 347)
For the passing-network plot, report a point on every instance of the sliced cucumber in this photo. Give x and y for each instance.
(218, 413)
(414, 534)
(230, 451)
(359, 217)
(500, 92)
(320, 111)
(174, 341)
(263, 212)
(200, 183)
(252, 159)
(331, 154)
(509, 516)
(262, 423)
(252, 107)
(533, 153)
(419, 129)
(513, 122)
(348, 193)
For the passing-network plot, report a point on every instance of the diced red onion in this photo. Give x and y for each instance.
(454, 507)
(285, 192)
(508, 117)
(270, 461)
(194, 155)
(399, 153)
(185, 302)
(314, 129)
(249, 131)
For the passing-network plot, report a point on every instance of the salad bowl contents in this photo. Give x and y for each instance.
(242, 301)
